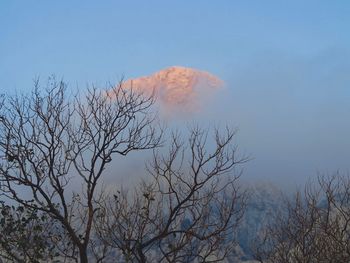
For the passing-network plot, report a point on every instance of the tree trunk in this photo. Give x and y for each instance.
(141, 255)
(83, 255)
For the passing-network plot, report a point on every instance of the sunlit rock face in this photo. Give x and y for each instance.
(178, 89)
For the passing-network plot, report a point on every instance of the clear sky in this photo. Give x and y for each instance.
(286, 64)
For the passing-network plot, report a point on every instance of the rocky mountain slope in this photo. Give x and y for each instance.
(178, 87)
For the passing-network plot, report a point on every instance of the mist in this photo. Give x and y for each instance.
(290, 113)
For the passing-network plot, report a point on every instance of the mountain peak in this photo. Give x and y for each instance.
(177, 87)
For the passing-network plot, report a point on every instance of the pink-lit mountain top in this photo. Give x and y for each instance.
(178, 87)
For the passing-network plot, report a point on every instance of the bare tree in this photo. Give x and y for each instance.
(47, 139)
(313, 227)
(187, 212)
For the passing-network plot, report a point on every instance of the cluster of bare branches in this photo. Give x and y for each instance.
(188, 208)
(46, 138)
(313, 227)
(187, 212)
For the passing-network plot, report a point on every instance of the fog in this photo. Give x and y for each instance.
(291, 115)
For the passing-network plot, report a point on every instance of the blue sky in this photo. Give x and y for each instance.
(101, 40)
(286, 64)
